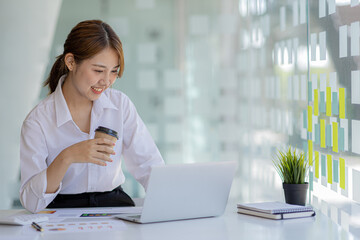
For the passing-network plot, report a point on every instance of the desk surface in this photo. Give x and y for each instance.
(230, 225)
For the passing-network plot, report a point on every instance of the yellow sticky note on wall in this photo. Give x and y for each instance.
(329, 168)
(310, 118)
(342, 173)
(342, 103)
(316, 102)
(335, 136)
(322, 133)
(310, 143)
(316, 164)
(328, 101)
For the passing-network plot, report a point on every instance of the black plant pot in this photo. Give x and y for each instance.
(295, 193)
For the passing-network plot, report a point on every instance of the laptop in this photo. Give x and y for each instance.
(186, 191)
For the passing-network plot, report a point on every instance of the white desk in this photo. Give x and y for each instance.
(229, 226)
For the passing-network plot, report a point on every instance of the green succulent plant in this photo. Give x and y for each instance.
(291, 166)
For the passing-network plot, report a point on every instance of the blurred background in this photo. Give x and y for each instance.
(213, 80)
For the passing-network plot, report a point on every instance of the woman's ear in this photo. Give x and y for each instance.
(70, 61)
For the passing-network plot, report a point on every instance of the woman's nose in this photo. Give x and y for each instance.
(106, 79)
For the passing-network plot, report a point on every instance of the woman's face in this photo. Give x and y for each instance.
(94, 75)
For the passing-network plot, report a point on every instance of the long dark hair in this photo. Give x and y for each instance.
(85, 40)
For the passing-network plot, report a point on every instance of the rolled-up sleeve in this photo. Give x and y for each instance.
(33, 154)
(139, 149)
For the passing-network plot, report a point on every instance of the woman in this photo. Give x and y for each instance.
(62, 165)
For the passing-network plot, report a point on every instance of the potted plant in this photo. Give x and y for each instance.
(292, 168)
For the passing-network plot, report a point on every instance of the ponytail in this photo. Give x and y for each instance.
(57, 70)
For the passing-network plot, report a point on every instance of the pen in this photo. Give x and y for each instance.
(37, 227)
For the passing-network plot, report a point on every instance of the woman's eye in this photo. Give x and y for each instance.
(98, 71)
(115, 71)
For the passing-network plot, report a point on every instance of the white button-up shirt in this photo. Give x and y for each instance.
(49, 129)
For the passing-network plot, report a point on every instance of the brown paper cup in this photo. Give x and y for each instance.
(102, 132)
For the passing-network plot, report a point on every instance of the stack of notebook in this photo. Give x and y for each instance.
(275, 210)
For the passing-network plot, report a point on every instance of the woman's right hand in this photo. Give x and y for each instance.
(95, 151)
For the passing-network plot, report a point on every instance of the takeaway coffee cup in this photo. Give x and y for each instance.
(103, 132)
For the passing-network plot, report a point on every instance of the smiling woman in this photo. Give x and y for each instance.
(59, 131)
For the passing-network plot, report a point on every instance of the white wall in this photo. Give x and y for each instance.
(27, 29)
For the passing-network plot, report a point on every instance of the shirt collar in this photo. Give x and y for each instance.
(63, 114)
(62, 111)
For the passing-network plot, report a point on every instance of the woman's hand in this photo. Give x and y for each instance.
(95, 151)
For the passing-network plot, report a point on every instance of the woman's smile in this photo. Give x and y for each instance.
(97, 90)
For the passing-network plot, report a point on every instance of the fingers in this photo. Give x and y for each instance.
(104, 141)
(105, 149)
(98, 162)
(96, 151)
(100, 159)
(102, 156)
